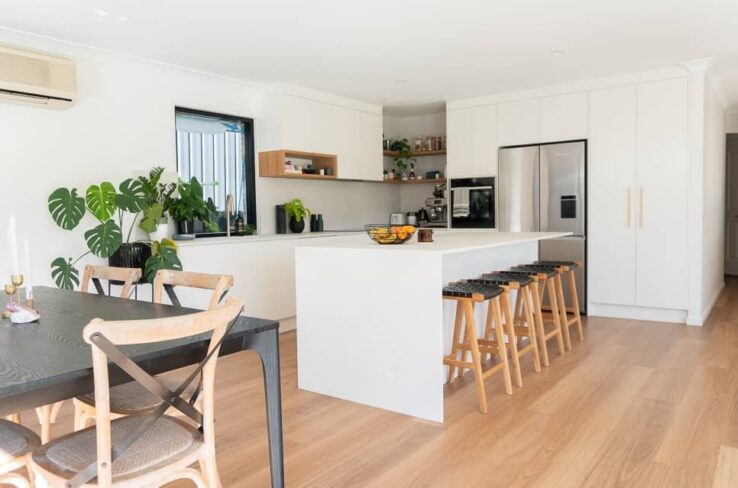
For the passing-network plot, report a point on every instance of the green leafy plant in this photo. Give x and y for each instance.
(103, 202)
(163, 256)
(403, 161)
(192, 205)
(296, 209)
(157, 196)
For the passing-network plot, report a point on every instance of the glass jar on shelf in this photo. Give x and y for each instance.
(418, 144)
(428, 143)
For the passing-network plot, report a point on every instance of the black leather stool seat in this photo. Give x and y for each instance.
(536, 269)
(503, 278)
(556, 264)
(468, 289)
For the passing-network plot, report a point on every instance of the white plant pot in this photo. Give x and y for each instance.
(163, 231)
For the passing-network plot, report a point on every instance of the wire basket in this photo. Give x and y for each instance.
(390, 234)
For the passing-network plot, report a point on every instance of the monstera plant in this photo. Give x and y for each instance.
(108, 207)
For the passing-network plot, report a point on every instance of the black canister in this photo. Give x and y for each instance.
(320, 223)
(313, 223)
(281, 220)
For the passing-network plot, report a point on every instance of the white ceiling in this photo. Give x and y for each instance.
(360, 48)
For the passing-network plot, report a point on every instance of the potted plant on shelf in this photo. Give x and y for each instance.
(191, 205)
(297, 213)
(405, 164)
(105, 240)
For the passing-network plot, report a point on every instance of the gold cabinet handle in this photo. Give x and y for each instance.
(630, 209)
(641, 209)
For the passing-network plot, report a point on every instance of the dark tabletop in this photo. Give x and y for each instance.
(48, 360)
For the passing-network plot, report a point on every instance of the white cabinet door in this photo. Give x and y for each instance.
(662, 194)
(370, 137)
(520, 122)
(459, 141)
(611, 196)
(483, 141)
(564, 117)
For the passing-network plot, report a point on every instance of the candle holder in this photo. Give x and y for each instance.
(11, 290)
(17, 280)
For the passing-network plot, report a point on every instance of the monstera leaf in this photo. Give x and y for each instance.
(101, 200)
(104, 239)
(131, 196)
(66, 208)
(152, 217)
(164, 256)
(64, 273)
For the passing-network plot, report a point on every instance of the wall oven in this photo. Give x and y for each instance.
(473, 203)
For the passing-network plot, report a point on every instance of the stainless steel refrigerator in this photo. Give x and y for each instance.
(543, 188)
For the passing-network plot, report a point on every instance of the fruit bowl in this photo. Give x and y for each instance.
(390, 234)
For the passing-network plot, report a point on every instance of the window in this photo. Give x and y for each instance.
(218, 150)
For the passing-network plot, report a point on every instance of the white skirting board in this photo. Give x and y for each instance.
(637, 313)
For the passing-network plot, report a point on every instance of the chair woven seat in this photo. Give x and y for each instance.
(536, 269)
(503, 278)
(133, 399)
(557, 264)
(468, 289)
(166, 439)
(16, 440)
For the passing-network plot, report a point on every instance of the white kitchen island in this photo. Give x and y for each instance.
(372, 326)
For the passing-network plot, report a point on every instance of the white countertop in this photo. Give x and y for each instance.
(209, 241)
(444, 241)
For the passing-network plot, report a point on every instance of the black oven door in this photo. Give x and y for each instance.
(473, 203)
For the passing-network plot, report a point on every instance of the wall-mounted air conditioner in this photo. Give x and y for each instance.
(34, 78)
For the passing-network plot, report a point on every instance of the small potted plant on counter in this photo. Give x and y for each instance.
(191, 205)
(297, 213)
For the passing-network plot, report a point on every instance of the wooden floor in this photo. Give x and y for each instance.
(639, 404)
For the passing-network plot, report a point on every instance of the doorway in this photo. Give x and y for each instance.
(731, 205)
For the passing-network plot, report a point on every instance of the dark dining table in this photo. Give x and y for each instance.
(47, 361)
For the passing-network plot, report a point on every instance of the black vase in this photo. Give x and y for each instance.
(281, 220)
(185, 227)
(297, 227)
(131, 255)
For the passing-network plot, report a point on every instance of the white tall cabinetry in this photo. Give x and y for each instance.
(638, 195)
(472, 141)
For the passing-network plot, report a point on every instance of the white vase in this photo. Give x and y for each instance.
(163, 230)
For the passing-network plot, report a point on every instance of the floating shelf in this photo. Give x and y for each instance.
(271, 164)
(392, 154)
(424, 181)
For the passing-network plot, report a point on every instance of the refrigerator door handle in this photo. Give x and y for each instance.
(630, 207)
(640, 210)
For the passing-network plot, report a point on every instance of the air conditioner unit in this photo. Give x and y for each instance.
(34, 78)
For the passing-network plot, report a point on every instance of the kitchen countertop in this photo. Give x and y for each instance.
(209, 241)
(444, 242)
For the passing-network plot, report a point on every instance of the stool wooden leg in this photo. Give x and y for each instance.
(488, 329)
(532, 335)
(14, 417)
(575, 302)
(455, 344)
(510, 331)
(471, 332)
(501, 346)
(556, 318)
(562, 310)
(538, 315)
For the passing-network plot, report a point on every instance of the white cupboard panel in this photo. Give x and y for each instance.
(484, 141)
(564, 117)
(370, 137)
(612, 193)
(662, 194)
(520, 122)
(459, 142)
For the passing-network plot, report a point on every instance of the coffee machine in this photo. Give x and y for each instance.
(437, 210)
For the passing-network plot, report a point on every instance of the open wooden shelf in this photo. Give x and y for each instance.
(392, 154)
(424, 181)
(271, 164)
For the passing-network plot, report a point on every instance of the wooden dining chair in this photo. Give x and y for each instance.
(16, 445)
(127, 276)
(131, 398)
(150, 450)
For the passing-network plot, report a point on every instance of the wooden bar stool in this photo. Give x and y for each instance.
(514, 329)
(467, 295)
(544, 283)
(567, 268)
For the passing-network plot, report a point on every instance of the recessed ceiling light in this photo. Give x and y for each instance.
(122, 18)
(556, 53)
(101, 13)
(400, 82)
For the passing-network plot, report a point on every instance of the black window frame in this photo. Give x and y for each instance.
(249, 153)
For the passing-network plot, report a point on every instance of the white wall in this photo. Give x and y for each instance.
(713, 231)
(124, 122)
(731, 122)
